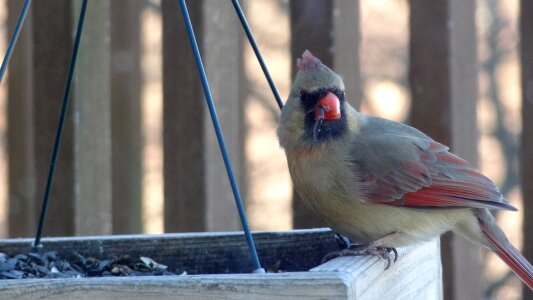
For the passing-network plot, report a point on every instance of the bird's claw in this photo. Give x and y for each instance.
(365, 249)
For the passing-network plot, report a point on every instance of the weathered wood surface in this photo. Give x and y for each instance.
(417, 274)
(443, 80)
(526, 56)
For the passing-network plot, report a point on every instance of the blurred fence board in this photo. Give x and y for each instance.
(223, 62)
(92, 123)
(330, 30)
(126, 81)
(35, 118)
(81, 193)
(197, 193)
(20, 134)
(526, 52)
(443, 79)
(183, 126)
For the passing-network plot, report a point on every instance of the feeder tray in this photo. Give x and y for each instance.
(217, 265)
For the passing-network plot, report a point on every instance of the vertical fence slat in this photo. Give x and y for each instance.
(443, 83)
(526, 59)
(51, 54)
(223, 60)
(183, 124)
(126, 139)
(92, 123)
(20, 133)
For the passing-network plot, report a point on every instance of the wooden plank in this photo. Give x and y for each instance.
(223, 62)
(197, 192)
(330, 30)
(526, 59)
(20, 133)
(183, 125)
(342, 278)
(51, 52)
(235, 286)
(418, 268)
(126, 138)
(92, 108)
(443, 83)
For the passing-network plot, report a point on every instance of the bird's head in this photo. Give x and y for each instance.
(315, 110)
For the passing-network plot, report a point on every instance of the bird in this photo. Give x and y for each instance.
(383, 183)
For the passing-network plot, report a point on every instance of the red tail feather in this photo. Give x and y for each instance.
(511, 256)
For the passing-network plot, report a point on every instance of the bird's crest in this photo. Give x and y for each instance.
(308, 62)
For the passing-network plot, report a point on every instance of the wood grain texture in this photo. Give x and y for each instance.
(417, 272)
(416, 275)
(300, 285)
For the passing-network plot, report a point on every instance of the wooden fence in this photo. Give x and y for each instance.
(97, 188)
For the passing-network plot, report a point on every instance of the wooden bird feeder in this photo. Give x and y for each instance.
(218, 266)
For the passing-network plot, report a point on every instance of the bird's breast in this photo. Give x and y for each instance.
(324, 181)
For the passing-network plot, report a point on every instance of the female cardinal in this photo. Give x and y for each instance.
(383, 183)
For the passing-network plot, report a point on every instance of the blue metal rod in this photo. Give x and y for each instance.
(220, 136)
(251, 39)
(64, 107)
(13, 41)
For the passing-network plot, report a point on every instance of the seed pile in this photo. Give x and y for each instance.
(51, 265)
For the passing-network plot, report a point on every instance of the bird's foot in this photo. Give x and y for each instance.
(372, 248)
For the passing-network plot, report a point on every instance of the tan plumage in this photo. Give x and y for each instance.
(368, 177)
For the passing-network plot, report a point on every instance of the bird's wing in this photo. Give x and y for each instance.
(417, 172)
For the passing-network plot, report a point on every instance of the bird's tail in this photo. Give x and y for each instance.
(508, 253)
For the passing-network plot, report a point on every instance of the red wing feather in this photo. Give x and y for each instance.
(439, 179)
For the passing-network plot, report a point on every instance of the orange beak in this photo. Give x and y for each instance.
(328, 108)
